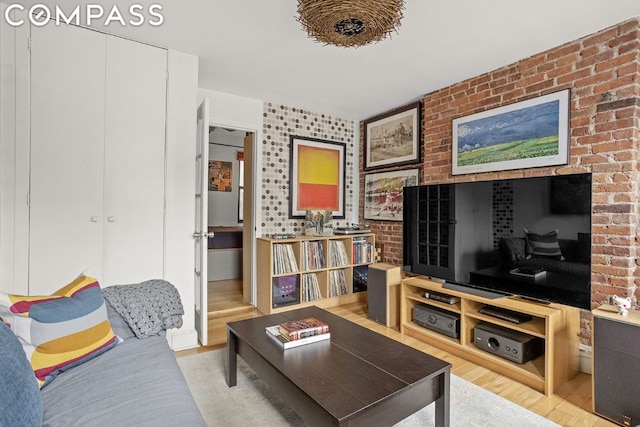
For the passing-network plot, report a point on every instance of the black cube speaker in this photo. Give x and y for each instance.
(616, 369)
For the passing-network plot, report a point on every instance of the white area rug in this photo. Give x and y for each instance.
(253, 403)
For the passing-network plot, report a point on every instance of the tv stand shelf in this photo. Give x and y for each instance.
(556, 324)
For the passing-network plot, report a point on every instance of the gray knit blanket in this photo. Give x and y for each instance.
(148, 307)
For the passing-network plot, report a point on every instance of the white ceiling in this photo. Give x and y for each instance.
(257, 49)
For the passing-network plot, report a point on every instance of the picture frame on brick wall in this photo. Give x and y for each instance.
(393, 138)
(526, 134)
(383, 193)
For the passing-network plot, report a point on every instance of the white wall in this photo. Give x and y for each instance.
(233, 111)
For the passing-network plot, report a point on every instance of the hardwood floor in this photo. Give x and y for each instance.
(570, 406)
(225, 304)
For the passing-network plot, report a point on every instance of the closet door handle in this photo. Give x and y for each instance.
(94, 219)
(111, 219)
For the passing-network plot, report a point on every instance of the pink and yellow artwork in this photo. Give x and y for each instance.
(318, 178)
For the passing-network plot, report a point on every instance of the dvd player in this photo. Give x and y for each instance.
(504, 314)
(437, 296)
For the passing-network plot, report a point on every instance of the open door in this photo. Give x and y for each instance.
(248, 221)
(201, 234)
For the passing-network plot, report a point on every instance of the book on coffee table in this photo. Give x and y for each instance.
(297, 329)
(273, 332)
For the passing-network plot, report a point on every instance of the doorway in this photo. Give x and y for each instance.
(230, 216)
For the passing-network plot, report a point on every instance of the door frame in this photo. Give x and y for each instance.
(246, 127)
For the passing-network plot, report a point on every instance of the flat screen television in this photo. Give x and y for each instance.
(528, 237)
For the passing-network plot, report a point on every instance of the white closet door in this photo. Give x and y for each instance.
(134, 161)
(67, 144)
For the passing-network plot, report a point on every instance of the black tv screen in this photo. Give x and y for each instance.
(570, 194)
(529, 237)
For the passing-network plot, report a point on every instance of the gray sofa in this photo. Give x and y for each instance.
(136, 383)
(575, 258)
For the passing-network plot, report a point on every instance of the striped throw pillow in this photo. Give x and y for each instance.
(61, 330)
(542, 245)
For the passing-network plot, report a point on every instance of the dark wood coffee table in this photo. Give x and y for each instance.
(358, 377)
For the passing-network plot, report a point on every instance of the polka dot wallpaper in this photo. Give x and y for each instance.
(279, 123)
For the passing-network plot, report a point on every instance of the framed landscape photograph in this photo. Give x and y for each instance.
(383, 193)
(393, 139)
(317, 176)
(527, 134)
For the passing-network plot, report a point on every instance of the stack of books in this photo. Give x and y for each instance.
(363, 251)
(298, 332)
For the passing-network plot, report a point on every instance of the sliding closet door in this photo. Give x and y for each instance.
(134, 161)
(67, 145)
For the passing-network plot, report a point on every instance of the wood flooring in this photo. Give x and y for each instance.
(226, 304)
(571, 405)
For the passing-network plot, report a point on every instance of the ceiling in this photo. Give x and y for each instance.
(257, 49)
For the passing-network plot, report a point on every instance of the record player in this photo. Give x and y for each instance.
(352, 229)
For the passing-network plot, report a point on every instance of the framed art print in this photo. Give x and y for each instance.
(317, 176)
(220, 176)
(383, 193)
(393, 139)
(531, 133)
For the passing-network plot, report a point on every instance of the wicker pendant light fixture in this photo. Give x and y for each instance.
(350, 23)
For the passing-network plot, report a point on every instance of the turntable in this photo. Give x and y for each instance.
(353, 229)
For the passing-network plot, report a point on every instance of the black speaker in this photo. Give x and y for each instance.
(616, 370)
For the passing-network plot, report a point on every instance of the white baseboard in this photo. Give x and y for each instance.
(585, 359)
(182, 340)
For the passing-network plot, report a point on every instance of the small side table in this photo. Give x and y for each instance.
(383, 293)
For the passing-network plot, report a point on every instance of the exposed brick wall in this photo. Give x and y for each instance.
(602, 71)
